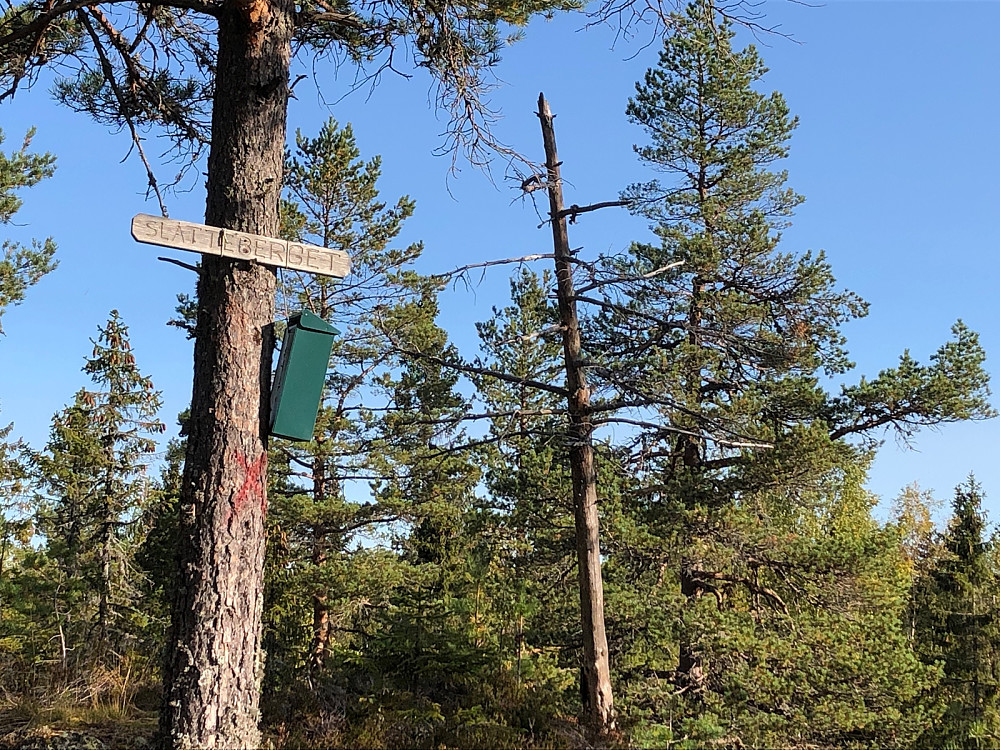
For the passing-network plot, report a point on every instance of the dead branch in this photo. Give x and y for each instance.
(180, 263)
(621, 279)
(515, 413)
(461, 270)
(574, 210)
(485, 372)
(628, 311)
(109, 75)
(660, 428)
(328, 15)
(776, 601)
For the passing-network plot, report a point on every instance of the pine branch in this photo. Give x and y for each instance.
(668, 429)
(485, 372)
(39, 24)
(120, 97)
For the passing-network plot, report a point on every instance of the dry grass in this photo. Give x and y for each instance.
(120, 725)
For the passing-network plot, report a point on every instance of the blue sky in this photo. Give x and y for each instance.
(896, 154)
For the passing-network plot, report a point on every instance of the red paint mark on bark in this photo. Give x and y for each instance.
(253, 482)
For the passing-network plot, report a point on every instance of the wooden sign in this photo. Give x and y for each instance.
(228, 243)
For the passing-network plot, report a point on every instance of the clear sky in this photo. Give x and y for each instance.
(896, 154)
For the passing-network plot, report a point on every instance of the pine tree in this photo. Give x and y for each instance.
(403, 622)
(215, 76)
(711, 341)
(958, 627)
(728, 330)
(21, 266)
(527, 517)
(333, 201)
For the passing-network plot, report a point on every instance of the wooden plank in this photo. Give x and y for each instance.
(228, 243)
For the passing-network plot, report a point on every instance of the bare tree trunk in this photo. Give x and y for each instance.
(321, 615)
(107, 551)
(214, 667)
(596, 687)
(104, 590)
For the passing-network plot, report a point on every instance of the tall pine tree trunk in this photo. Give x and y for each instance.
(689, 451)
(212, 677)
(596, 687)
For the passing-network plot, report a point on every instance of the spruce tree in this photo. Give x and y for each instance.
(958, 627)
(93, 472)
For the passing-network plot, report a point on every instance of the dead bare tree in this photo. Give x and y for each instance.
(596, 687)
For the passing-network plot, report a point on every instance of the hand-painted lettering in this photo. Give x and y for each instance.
(253, 482)
(241, 245)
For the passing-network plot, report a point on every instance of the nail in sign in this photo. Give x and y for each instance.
(228, 243)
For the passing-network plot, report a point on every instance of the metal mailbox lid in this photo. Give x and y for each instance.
(311, 322)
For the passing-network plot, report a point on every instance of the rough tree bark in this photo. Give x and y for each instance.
(596, 688)
(212, 676)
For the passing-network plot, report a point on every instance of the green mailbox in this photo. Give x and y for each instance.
(301, 374)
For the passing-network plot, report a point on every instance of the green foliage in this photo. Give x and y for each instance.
(178, 105)
(316, 526)
(420, 573)
(954, 387)
(77, 622)
(30, 49)
(799, 632)
(430, 625)
(92, 475)
(957, 626)
(22, 267)
(718, 321)
(332, 199)
(133, 67)
(526, 520)
(155, 555)
(743, 545)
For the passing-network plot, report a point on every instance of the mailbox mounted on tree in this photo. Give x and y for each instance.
(301, 375)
